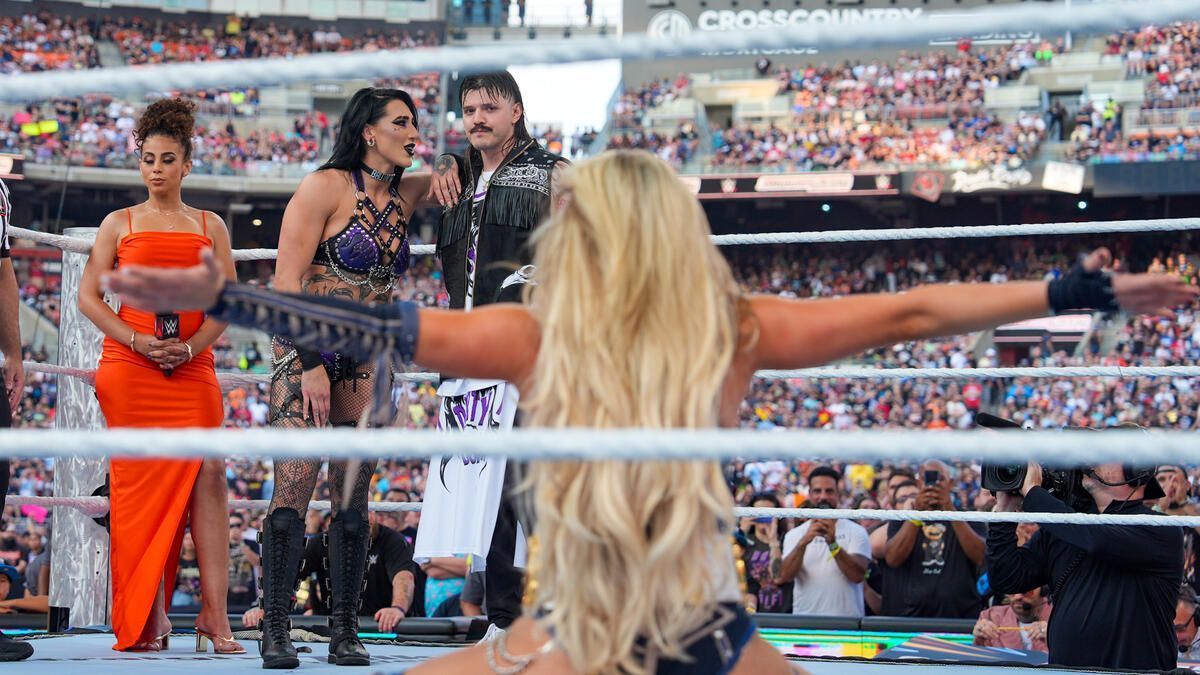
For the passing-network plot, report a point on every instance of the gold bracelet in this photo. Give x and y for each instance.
(132, 340)
(189, 348)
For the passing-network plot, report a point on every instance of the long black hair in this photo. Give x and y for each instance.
(366, 106)
(500, 84)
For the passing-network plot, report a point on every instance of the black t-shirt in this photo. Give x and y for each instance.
(389, 555)
(771, 598)
(937, 580)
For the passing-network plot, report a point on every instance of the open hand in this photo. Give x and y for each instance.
(388, 618)
(252, 616)
(14, 383)
(1154, 294)
(314, 393)
(445, 186)
(156, 289)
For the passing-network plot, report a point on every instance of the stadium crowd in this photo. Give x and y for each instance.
(234, 138)
(1167, 127)
(858, 115)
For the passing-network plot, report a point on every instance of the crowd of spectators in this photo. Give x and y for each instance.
(96, 130)
(144, 41)
(675, 148)
(859, 115)
(970, 140)
(929, 84)
(1167, 58)
(43, 41)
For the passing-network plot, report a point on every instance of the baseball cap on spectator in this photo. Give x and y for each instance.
(11, 572)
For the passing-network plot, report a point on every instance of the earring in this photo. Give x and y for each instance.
(370, 142)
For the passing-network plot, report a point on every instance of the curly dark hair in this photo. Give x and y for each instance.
(174, 118)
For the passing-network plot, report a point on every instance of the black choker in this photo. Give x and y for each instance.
(381, 177)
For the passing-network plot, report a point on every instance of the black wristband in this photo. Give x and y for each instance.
(309, 359)
(1081, 289)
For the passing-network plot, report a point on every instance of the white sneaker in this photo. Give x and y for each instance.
(492, 633)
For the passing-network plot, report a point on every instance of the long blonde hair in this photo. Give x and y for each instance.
(639, 319)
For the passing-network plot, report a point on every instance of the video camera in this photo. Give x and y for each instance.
(1065, 484)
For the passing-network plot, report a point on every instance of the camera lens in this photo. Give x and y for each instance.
(1003, 477)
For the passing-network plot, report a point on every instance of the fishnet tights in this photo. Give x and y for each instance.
(296, 479)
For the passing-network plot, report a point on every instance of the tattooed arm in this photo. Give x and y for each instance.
(445, 186)
(776, 562)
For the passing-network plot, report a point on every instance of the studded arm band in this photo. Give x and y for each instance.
(313, 321)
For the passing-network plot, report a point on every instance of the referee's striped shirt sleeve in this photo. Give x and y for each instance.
(321, 322)
(5, 220)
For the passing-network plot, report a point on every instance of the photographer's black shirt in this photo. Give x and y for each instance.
(388, 555)
(937, 579)
(1119, 584)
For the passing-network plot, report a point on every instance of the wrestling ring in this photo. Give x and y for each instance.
(822, 644)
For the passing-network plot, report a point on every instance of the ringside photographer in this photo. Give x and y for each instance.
(1114, 586)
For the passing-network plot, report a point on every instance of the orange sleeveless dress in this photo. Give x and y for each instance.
(150, 498)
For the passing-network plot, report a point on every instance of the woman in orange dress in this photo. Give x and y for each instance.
(170, 382)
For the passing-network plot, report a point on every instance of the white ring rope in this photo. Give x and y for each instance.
(230, 380)
(95, 507)
(1087, 19)
(974, 516)
(960, 231)
(77, 245)
(867, 373)
(892, 445)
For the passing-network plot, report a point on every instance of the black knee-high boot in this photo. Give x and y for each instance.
(348, 540)
(282, 551)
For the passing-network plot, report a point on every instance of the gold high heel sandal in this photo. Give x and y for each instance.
(221, 645)
(158, 644)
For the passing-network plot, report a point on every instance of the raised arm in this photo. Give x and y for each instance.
(494, 342)
(806, 333)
